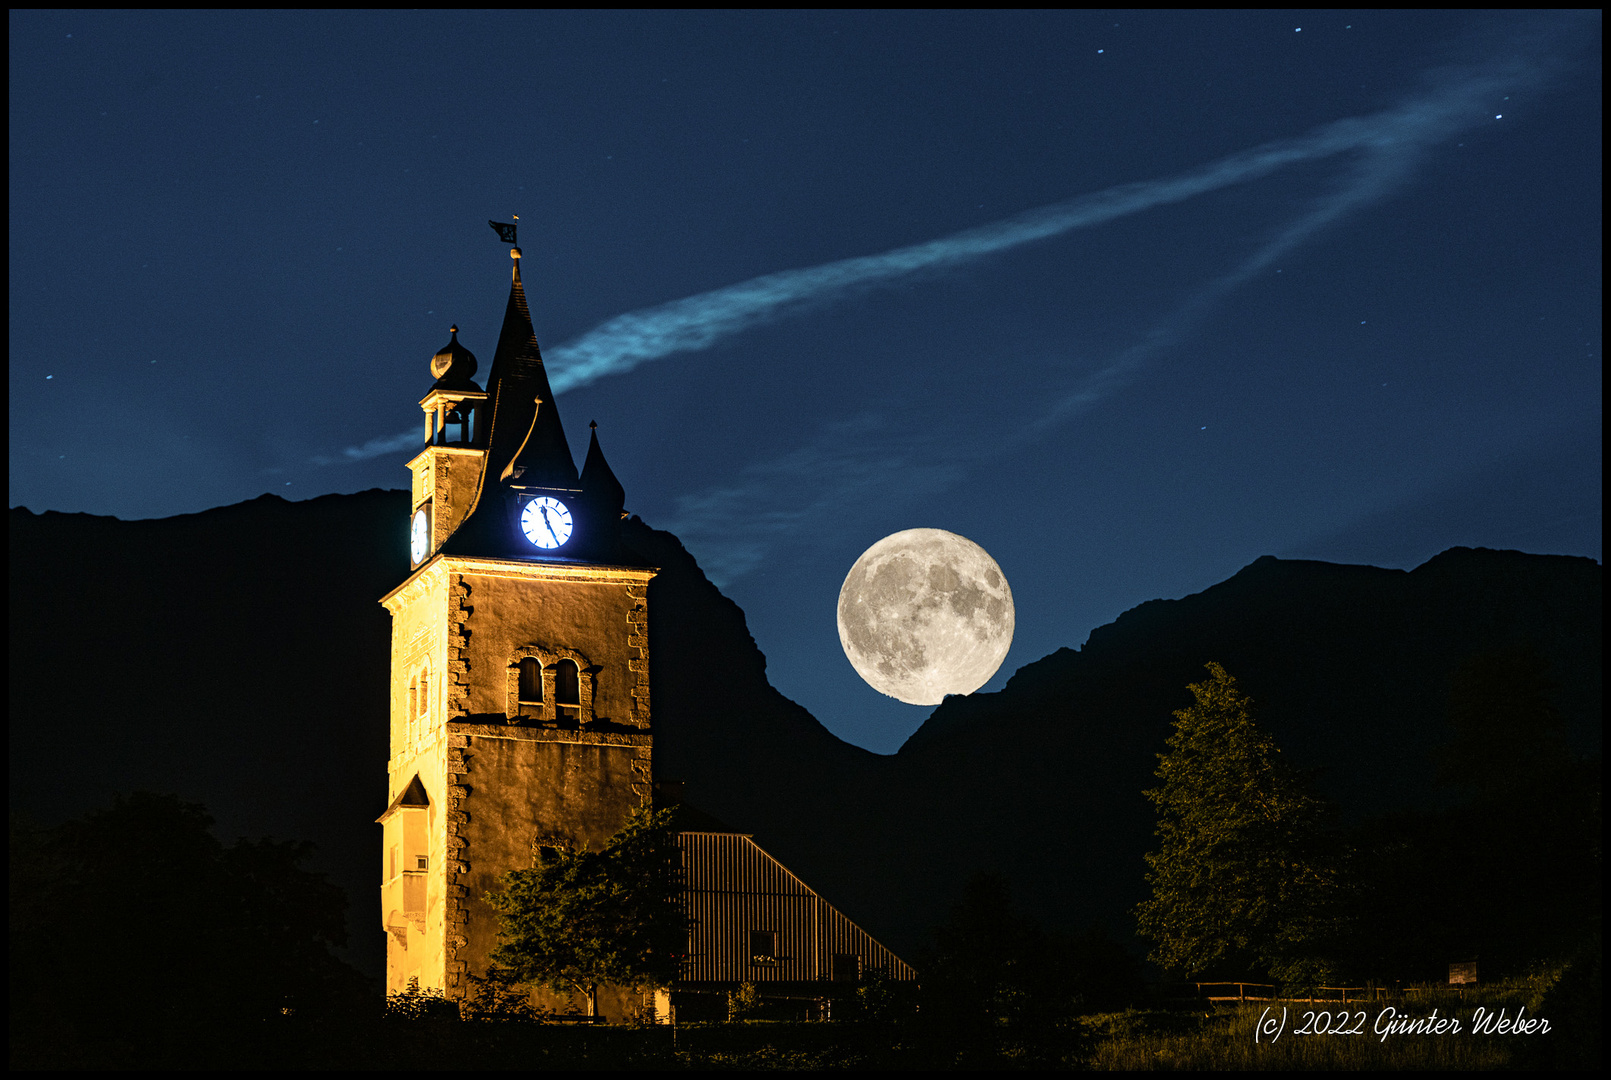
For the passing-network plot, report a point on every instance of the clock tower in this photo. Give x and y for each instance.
(519, 659)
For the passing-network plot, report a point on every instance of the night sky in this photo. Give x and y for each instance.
(1128, 299)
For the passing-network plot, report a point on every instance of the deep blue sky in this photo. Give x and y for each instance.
(237, 239)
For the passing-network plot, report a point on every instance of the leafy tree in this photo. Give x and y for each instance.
(202, 942)
(497, 996)
(995, 983)
(415, 1002)
(1245, 875)
(1508, 736)
(1521, 849)
(743, 1003)
(585, 917)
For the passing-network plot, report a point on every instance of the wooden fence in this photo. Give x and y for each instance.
(1242, 994)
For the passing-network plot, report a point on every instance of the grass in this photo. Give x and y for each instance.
(1221, 1036)
(1191, 1036)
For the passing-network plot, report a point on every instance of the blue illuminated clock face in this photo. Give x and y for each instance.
(546, 522)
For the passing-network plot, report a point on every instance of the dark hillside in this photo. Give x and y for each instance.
(1350, 667)
(238, 657)
(235, 657)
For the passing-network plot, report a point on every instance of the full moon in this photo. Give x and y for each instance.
(925, 613)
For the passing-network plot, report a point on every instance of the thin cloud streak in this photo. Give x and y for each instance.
(412, 439)
(855, 462)
(1377, 175)
(1393, 138)
(734, 527)
(699, 322)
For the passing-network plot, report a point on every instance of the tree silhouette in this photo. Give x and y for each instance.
(581, 918)
(996, 983)
(137, 938)
(1508, 737)
(1245, 877)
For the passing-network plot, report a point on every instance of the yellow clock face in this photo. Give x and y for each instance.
(546, 522)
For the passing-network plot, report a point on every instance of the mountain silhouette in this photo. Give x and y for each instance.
(239, 657)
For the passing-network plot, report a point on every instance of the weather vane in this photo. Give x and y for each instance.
(506, 233)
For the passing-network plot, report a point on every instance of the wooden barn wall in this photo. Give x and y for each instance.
(733, 888)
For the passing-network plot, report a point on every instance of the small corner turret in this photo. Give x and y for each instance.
(446, 471)
(603, 494)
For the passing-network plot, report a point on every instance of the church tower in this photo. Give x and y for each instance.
(519, 663)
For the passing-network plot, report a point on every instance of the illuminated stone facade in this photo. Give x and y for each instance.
(485, 768)
(520, 713)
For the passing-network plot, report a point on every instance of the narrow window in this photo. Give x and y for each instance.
(414, 699)
(531, 681)
(391, 862)
(425, 691)
(567, 690)
(763, 946)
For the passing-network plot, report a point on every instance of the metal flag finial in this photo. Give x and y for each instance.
(506, 232)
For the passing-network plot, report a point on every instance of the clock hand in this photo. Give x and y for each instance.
(550, 525)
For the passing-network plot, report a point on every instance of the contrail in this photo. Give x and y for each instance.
(1391, 140)
(1379, 172)
(699, 322)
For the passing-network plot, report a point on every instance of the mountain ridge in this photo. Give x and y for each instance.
(239, 656)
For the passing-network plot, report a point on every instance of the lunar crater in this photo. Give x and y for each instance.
(925, 613)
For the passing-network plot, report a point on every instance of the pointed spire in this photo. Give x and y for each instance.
(527, 445)
(598, 481)
(525, 441)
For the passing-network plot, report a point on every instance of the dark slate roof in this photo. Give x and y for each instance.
(527, 446)
(523, 437)
(527, 451)
(598, 480)
(411, 797)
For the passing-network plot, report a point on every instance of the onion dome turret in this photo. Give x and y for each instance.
(453, 365)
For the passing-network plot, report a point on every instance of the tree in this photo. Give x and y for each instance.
(585, 917)
(995, 982)
(138, 939)
(1508, 736)
(1246, 874)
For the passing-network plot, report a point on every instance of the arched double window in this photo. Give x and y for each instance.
(550, 685)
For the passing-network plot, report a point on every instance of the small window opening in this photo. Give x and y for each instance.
(414, 698)
(425, 691)
(763, 946)
(567, 690)
(846, 968)
(391, 862)
(422, 862)
(531, 681)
